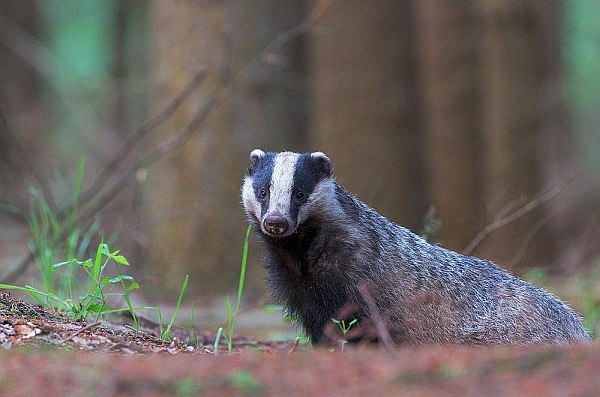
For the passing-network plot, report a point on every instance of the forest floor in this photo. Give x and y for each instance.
(46, 352)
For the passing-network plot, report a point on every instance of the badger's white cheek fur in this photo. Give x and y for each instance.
(251, 205)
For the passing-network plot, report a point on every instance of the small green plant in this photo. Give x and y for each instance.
(232, 314)
(94, 300)
(99, 288)
(345, 328)
(55, 238)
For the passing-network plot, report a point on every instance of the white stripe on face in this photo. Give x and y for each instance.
(282, 183)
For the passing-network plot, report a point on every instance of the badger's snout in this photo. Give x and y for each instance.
(275, 225)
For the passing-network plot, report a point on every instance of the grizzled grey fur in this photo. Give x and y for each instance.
(321, 244)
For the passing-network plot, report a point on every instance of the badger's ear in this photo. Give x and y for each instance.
(254, 162)
(324, 162)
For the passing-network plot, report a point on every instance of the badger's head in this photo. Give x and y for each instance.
(281, 190)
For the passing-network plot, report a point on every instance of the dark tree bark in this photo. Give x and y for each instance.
(197, 224)
(511, 92)
(450, 111)
(19, 99)
(363, 104)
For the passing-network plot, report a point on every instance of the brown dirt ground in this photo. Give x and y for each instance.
(44, 352)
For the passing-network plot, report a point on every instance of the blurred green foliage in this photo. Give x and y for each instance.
(79, 32)
(581, 52)
(97, 52)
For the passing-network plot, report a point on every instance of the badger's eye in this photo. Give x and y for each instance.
(300, 196)
(262, 193)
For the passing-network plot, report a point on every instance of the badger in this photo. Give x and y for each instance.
(328, 254)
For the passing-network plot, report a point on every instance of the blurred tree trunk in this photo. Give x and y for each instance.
(188, 36)
(511, 94)
(448, 71)
(363, 104)
(195, 224)
(436, 105)
(20, 108)
(481, 81)
(270, 108)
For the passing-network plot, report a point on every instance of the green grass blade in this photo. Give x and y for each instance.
(242, 272)
(36, 294)
(160, 321)
(217, 340)
(97, 265)
(136, 321)
(232, 315)
(230, 325)
(183, 287)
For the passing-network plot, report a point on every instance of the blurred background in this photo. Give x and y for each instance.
(475, 123)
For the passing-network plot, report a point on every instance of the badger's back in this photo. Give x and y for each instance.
(323, 248)
(429, 294)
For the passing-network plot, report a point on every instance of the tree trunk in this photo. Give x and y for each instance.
(196, 223)
(363, 104)
(183, 191)
(511, 93)
(450, 114)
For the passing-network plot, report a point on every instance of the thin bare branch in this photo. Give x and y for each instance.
(82, 329)
(502, 221)
(136, 136)
(162, 149)
(382, 331)
(303, 28)
(525, 242)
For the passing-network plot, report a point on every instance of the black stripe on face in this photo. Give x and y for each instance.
(308, 173)
(261, 179)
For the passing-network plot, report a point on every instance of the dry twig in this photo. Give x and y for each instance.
(502, 220)
(135, 137)
(382, 330)
(80, 330)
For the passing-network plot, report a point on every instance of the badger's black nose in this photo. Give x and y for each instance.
(275, 225)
